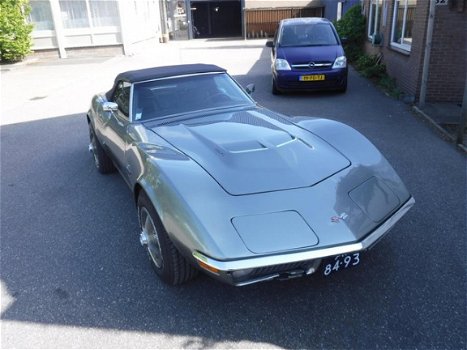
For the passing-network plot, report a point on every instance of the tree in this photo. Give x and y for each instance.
(15, 31)
(352, 27)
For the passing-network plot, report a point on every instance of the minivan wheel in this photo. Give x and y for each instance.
(275, 90)
(343, 89)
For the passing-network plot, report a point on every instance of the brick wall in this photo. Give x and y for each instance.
(446, 81)
(405, 67)
(448, 56)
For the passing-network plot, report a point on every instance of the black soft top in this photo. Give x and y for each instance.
(134, 76)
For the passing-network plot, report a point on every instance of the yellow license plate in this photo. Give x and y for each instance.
(312, 77)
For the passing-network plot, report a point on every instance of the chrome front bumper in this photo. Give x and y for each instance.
(224, 268)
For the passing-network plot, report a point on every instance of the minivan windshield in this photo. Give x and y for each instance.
(307, 34)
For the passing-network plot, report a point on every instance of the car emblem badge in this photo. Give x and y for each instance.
(311, 64)
(336, 219)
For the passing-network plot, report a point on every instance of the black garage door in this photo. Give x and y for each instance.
(216, 19)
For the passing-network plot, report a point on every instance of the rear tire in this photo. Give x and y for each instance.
(102, 161)
(167, 262)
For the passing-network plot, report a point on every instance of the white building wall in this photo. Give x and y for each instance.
(141, 23)
(62, 24)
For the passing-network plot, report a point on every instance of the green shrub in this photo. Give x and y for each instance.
(15, 39)
(352, 27)
(370, 66)
(365, 61)
(389, 85)
(377, 71)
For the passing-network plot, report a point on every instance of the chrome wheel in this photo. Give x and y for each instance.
(165, 259)
(149, 237)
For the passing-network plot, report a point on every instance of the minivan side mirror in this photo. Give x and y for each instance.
(344, 40)
(270, 43)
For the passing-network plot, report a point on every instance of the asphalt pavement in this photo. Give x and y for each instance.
(73, 274)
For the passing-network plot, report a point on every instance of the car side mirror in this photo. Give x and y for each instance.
(270, 43)
(344, 40)
(250, 88)
(109, 106)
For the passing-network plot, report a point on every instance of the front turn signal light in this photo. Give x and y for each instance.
(207, 267)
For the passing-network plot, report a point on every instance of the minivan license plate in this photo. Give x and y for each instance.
(314, 77)
(340, 262)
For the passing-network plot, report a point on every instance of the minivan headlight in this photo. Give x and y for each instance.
(281, 64)
(340, 62)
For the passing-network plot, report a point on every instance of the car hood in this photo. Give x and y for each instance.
(254, 151)
(305, 54)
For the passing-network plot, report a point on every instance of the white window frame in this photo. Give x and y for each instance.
(401, 46)
(339, 10)
(373, 18)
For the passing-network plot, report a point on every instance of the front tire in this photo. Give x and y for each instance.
(102, 161)
(343, 89)
(167, 262)
(275, 90)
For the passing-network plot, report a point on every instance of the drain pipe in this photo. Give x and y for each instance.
(426, 59)
(163, 14)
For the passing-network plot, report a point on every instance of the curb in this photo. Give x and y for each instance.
(9, 66)
(444, 133)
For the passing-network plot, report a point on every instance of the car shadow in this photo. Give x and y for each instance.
(70, 254)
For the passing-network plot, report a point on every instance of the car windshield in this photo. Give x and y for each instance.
(174, 96)
(307, 34)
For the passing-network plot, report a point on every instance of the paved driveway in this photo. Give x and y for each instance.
(74, 275)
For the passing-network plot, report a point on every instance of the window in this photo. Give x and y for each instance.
(180, 95)
(104, 13)
(122, 97)
(74, 14)
(307, 35)
(374, 18)
(402, 24)
(339, 11)
(41, 15)
(79, 13)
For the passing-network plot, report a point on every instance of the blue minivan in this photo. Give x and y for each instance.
(307, 54)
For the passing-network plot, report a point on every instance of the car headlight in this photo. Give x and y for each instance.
(281, 64)
(340, 62)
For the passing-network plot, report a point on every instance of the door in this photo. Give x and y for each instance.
(115, 127)
(216, 19)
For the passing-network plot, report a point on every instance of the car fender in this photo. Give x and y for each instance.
(357, 148)
(188, 220)
(94, 113)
